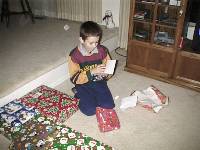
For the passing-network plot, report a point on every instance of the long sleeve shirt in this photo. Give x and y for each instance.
(80, 65)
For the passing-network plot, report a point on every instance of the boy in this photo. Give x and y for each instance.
(86, 68)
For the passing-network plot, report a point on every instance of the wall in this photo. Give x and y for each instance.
(114, 6)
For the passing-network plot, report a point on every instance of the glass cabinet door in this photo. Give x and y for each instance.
(143, 20)
(166, 22)
(155, 21)
(191, 28)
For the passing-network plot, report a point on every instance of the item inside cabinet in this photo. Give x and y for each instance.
(166, 2)
(175, 2)
(141, 35)
(163, 37)
(167, 16)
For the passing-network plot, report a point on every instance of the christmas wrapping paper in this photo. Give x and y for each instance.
(37, 137)
(7, 130)
(107, 119)
(34, 134)
(42, 133)
(34, 122)
(65, 138)
(12, 116)
(51, 103)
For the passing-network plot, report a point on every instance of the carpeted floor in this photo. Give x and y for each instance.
(28, 50)
(175, 127)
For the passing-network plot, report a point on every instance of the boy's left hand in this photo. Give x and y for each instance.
(99, 69)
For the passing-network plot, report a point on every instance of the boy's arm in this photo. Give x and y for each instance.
(106, 59)
(76, 75)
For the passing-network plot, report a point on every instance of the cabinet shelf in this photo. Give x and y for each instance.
(165, 26)
(169, 48)
(145, 21)
(170, 6)
(145, 2)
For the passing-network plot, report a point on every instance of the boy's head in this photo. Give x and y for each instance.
(90, 28)
(90, 35)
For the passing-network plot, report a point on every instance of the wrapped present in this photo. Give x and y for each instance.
(67, 138)
(107, 119)
(12, 116)
(34, 134)
(9, 131)
(16, 113)
(51, 102)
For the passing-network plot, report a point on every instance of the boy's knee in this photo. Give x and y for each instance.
(88, 111)
(108, 104)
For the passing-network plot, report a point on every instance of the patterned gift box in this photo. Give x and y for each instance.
(12, 116)
(34, 134)
(65, 138)
(51, 102)
(41, 133)
(7, 130)
(107, 119)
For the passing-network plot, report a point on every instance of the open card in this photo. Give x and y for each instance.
(110, 67)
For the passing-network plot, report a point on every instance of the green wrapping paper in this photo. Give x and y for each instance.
(68, 139)
(61, 137)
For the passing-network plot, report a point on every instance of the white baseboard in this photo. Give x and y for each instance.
(52, 78)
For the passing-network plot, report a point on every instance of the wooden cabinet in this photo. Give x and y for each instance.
(155, 43)
(160, 61)
(187, 69)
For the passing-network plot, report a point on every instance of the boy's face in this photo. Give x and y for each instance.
(90, 43)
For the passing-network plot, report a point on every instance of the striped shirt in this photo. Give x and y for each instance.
(80, 65)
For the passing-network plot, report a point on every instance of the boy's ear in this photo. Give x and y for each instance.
(81, 40)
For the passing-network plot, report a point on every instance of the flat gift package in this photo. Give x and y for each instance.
(34, 134)
(107, 119)
(51, 103)
(12, 116)
(65, 138)
(61, 138)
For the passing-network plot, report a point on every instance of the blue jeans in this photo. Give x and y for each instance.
(92, 95)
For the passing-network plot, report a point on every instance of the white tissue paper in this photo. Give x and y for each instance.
(127, 102)
(150, 98)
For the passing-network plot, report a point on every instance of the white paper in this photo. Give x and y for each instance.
(190, 31)
(175, 2)
(127, 102)
(110, 67)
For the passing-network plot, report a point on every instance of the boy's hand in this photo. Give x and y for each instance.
(99, 69)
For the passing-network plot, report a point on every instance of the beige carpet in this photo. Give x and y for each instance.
(175, 127)
(29, 50)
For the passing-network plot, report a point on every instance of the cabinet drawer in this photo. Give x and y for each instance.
(161, 62)
(137, 56)
(188, 67)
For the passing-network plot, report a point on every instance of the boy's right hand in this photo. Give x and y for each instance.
(99, 69)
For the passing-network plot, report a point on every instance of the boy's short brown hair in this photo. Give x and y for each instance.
(90, 28)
